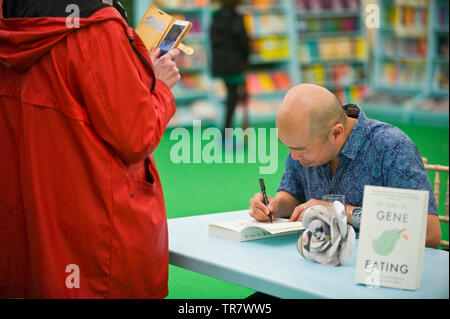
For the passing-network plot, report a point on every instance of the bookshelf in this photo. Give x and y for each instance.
(400, 53)
(432, 106)
(332, 49)
(273, 67)
(410, 74)
(323, 42)
(438, 80)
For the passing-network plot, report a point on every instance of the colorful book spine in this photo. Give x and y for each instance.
(333, 49)
(408, 75)
(334, 75)
(261, 24)
(271, 48)
(181, 3)
(309, 26)
(268, 82)
(319, 6)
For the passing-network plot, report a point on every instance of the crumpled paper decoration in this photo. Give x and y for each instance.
(327, 238)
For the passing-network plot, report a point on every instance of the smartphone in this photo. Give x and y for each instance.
(174, 36)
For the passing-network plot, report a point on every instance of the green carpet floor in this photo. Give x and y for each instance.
(194, 189)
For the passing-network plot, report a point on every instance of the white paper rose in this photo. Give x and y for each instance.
(327, 238)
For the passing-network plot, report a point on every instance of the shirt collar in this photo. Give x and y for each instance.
(358, 133)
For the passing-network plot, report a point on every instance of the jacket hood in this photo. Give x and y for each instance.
(29, 29)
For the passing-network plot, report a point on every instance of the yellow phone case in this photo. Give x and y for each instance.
(154, 26)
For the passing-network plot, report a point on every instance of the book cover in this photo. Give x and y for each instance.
(249, 229)
(392, 237)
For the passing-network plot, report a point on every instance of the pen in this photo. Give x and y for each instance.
(263, 191)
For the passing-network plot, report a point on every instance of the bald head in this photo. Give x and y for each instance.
(312, 107)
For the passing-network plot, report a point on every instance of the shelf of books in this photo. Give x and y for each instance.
(272, 71)
(410, 72)
(272, 65)
(332, 49)
(322, 42)
(439, 48)
(434, 103)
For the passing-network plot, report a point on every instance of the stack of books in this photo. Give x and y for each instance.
(335, 76)
(332, 49)
(319, 6)
(408, 18)
(270, 48)
(411, 74)
(262, 24)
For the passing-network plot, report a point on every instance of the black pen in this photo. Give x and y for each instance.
(263, 191)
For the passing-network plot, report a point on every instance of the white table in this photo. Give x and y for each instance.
(274, 266)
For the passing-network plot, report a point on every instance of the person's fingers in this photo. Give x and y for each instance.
(258, 215)
(297, 214)
(166, 59)
(258, 209)
(171, 55)
(174, 53)
(261, 206)
(167, 71)
(261, 209)
(257, 197)
(154, 53)
(311, 203)
(273, 205)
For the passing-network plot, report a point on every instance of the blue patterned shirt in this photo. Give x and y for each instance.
(375, 153)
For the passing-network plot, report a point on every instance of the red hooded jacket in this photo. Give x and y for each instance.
(81, 204)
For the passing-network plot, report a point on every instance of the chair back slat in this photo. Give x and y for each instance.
(437, 169)
(446, 200)
(437, 184)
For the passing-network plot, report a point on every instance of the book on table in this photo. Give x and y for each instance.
(249, 229)
(392, 237)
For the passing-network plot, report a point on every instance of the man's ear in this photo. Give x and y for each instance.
(337, 131)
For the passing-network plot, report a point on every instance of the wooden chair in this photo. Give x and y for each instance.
(437, 169)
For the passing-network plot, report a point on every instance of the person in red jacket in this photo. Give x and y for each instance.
(82, 109)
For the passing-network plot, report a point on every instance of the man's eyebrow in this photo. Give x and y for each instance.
(292, 148)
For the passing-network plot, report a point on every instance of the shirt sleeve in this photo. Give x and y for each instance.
(403, 168)
(291, 182)
(116, 91)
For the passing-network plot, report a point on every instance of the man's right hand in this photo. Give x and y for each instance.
(165, 67)
(259, 211)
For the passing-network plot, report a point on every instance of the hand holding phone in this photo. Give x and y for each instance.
(165, 68)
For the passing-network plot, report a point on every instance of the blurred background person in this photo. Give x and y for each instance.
(230, 52)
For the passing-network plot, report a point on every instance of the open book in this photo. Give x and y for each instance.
(159, 29)
(249, 229)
